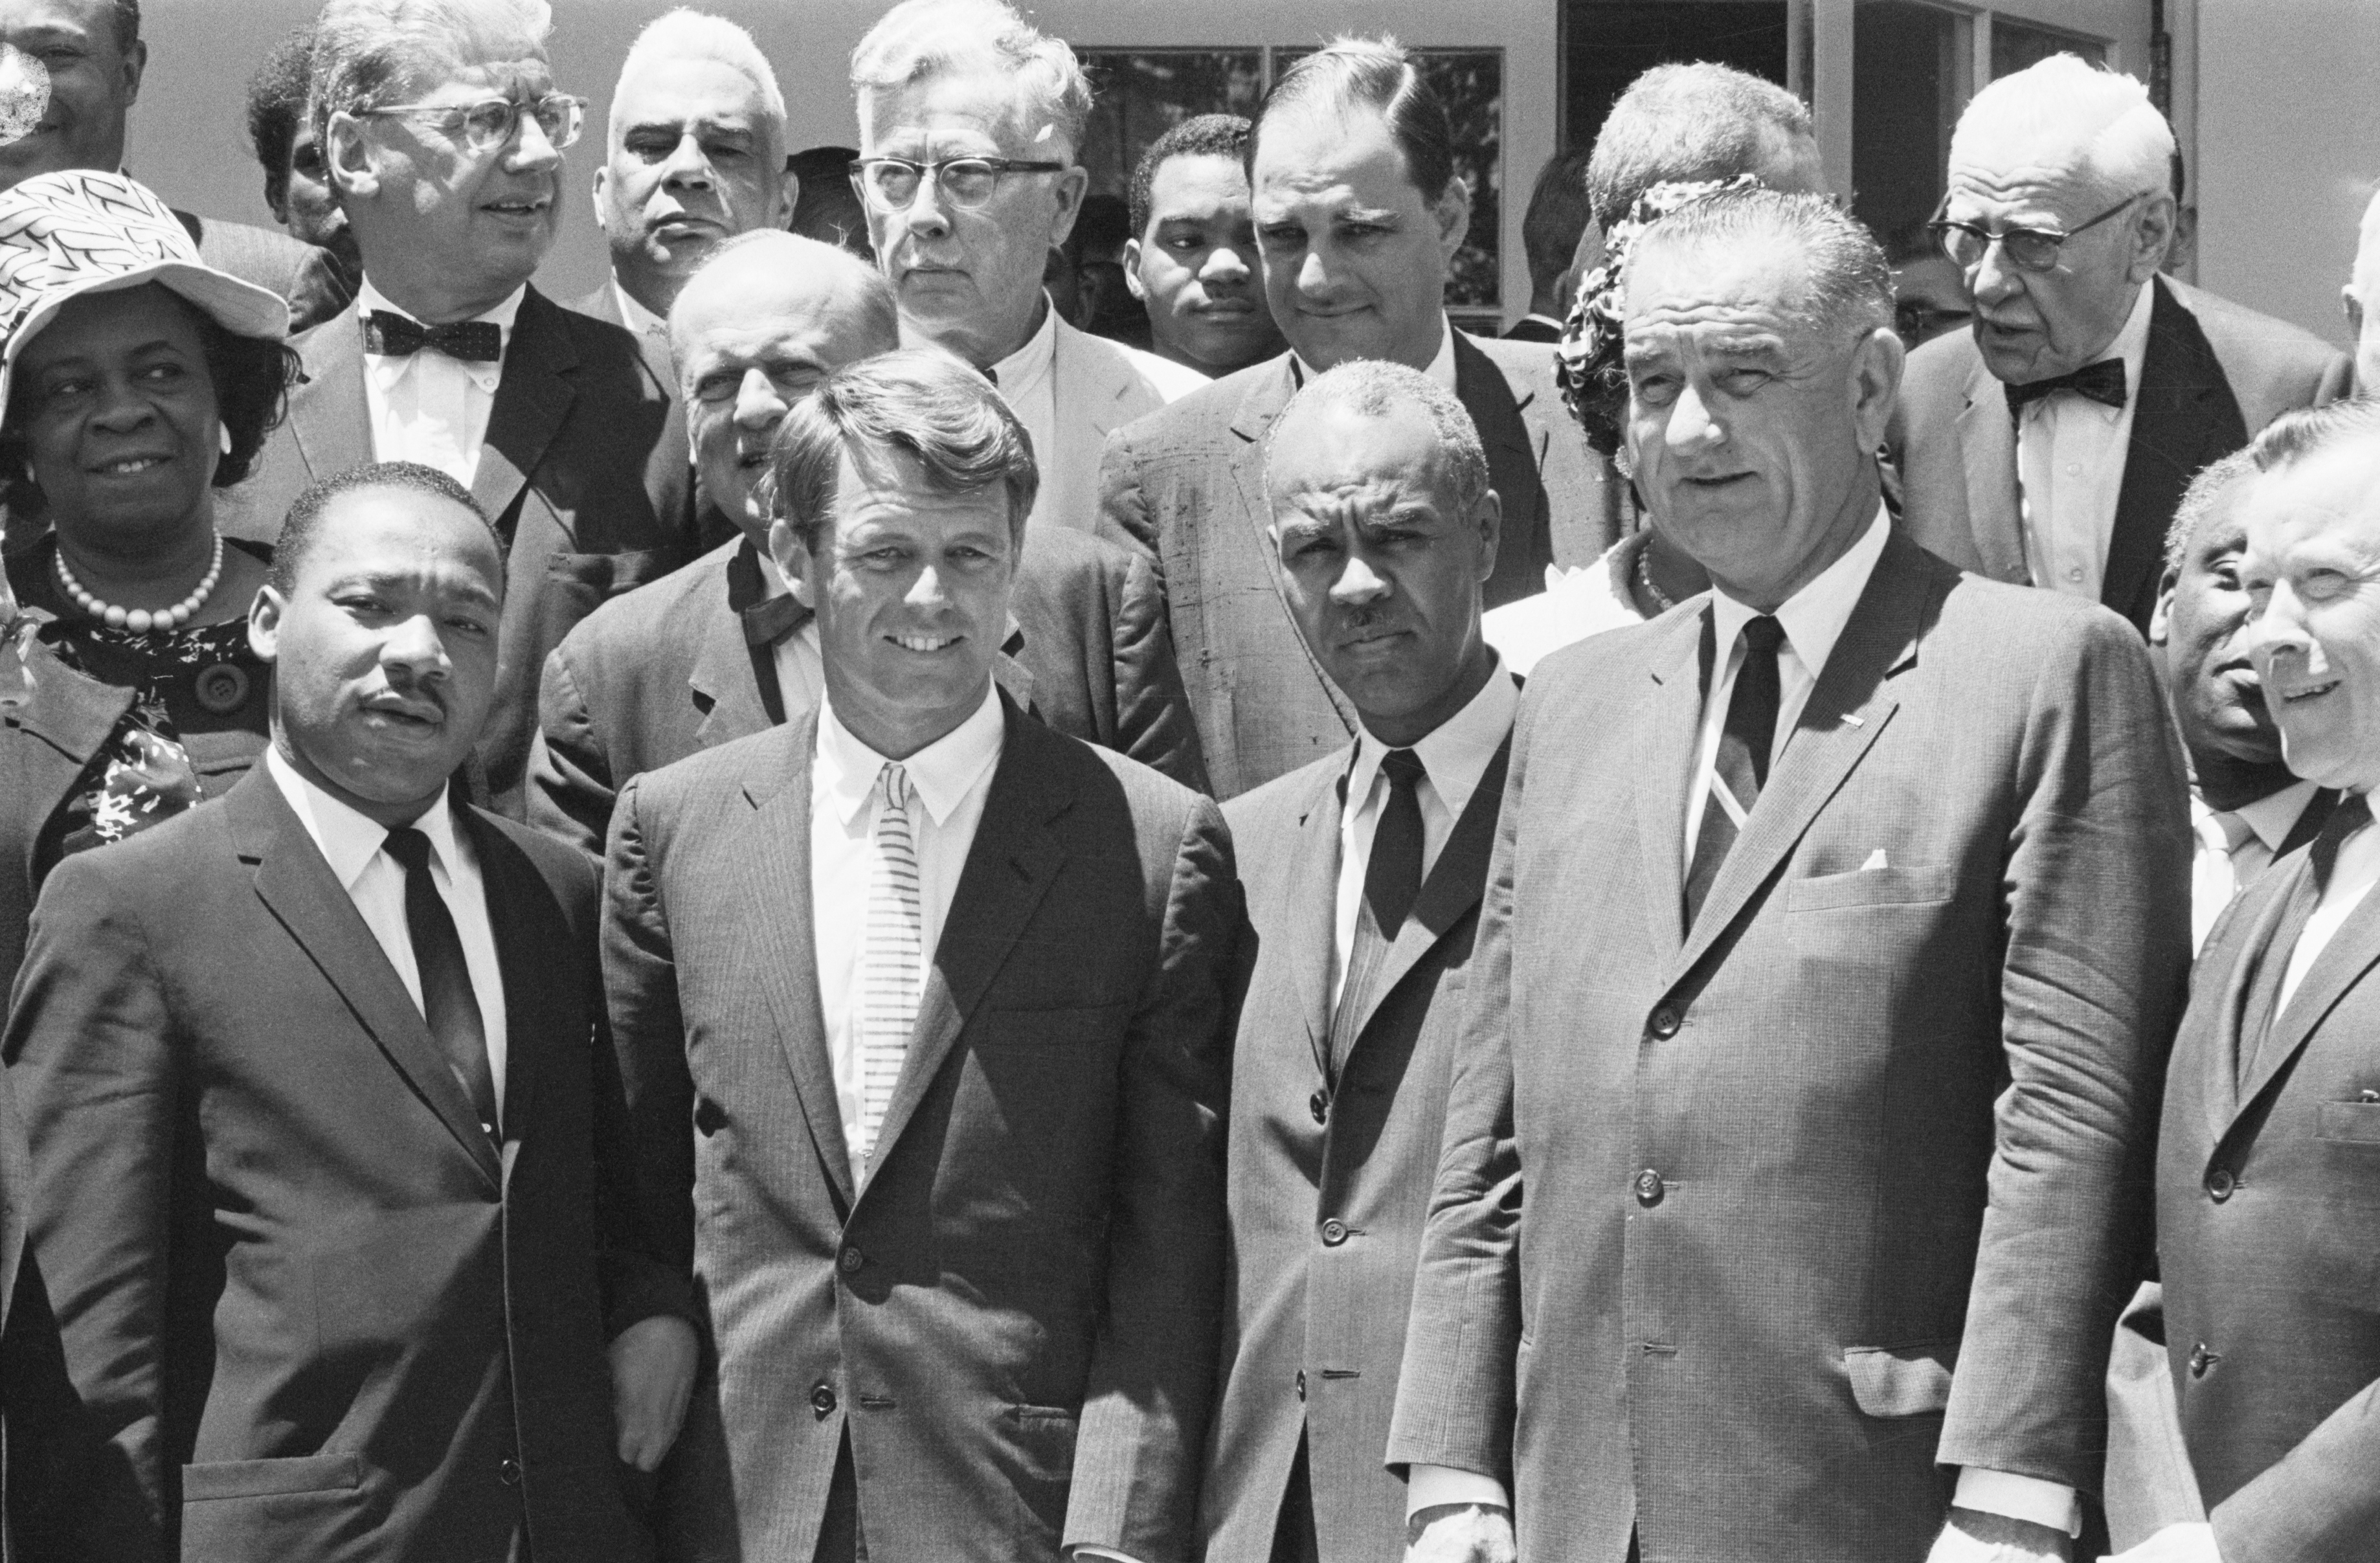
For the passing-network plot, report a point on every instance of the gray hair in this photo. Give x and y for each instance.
(2065, 103)
(1847, 288)
(921, 38)
(1684, 123)
(685, 34)
(920, 402)
(366, 51)
(2198, 501)
(1375, 387)
(2296, 435)
(858, 281)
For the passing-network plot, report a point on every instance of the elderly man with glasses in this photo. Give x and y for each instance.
(969, 125)
(2050, 445)
(443, 134)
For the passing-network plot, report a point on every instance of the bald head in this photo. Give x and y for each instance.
(769, 316)
(2362, 290)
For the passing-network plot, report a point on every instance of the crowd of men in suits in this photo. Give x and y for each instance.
(878, 927)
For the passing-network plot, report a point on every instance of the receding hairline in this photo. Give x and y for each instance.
(850, 284)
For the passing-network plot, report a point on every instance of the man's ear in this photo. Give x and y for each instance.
(2161, 615)
(264, 622)
(348, 159)
(1132, 270)
(1876, 364)
(136, 65)
(785, 546)
(1489, 517)
(602, 182)
(789, 195)
(1452, 214)
(2152, 236)
(2354, 307)
(1072, 186)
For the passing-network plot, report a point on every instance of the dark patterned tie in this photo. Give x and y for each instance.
(395, 336)
(448, 1002)
(2262, 1007)
(1392, 877)
(1743, 762)
(2102, 383)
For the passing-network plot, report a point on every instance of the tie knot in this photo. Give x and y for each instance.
(895, 779)
(1404, 768)
(1764, 634)
(410, 847)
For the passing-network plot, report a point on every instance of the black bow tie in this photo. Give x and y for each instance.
(2101, 381)
(772, 619)
(395, 337)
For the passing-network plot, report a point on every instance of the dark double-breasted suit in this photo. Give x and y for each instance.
(2268, 1238)
(1326, 1207)
(670, 670)
(1748, 1232)
(310, 1308)
(1012, 1324)
(584, 470)
(1187, 485)
(2214, 374)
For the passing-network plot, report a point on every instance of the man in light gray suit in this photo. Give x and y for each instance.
(1365, 872)
(1796, 1156)
(923, 1012)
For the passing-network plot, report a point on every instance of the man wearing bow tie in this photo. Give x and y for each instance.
(449, 168)
(2050, 445)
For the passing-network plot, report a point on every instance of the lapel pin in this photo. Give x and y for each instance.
(1850, 720)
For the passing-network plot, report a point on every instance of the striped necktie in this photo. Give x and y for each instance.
(892, 957)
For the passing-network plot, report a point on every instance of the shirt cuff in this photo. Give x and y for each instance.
(1429, 1486)
(1085, 1551)
(2050, 1504)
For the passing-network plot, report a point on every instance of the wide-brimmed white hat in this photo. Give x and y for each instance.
(79, 231)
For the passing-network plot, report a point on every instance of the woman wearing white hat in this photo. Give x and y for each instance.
(136, 380)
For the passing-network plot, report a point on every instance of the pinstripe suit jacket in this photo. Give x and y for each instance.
(1747, 1233)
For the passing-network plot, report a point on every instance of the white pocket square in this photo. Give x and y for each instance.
(1875, 860)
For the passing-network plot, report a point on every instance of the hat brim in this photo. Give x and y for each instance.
(240, 308)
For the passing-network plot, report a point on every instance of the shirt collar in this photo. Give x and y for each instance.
(1455, 754)
(1442, 367)
(347, 838)
(638, 320)
(943, 773)
(1023, 370)
(1814, 617)
(2274, 816)
(2132, 345)
(502, 314)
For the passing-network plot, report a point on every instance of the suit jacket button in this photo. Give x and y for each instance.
(509, 1473)
(851, 1261)
(2220, 1184)
(1334, 1233)
(1648, 1188)
(823, 1399)
(1664, 1022)
(2201, 1359)
(1319, 1104)
(1301, 1384)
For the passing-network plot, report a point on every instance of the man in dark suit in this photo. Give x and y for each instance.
(1363, 872)
(1550, 230)
(553, 420)
(89, 57)
(725, 647)
(319, 1121)
(923, 1012)
(1188, 483)
(2051, 444)
(1797, 1146)
(2265, 1225)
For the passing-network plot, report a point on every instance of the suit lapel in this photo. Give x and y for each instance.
(1514, 460)
(2251, 928)
(534, 396)
(1662, 736)
(1851, 703)
(1456, 882)
(74, 715)
(1310, 894)
(724, 682)
(776, 887)
(1988, 445)
(1258, 409)
(1014, 860)
(2352, 952)
(330, 415)
(528, 955)
(1084, 395)
(296, 885)
(2183, 418)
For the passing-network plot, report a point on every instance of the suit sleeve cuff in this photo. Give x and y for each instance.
(1431, 1486)
(2050, 1504)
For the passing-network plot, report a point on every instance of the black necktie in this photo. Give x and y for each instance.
(2101, 381)
(447, 1001)
(1743, 762)
(1392, 877)
(2261, 1007)
(395, 336)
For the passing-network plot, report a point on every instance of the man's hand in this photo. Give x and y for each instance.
(1469, 1533)
(2175, 1544)
(652, 1375)
(1973, 1536)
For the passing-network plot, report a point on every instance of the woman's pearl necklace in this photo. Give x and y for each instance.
(141, 621)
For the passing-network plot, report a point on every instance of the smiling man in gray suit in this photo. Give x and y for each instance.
(922, 1009)
(1796, 1154)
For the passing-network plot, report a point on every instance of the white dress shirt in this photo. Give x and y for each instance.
(801, 667)
(1442, 367)
(2352, 875)
(352, 844)
(1815, 618)
(950, 778)
(427, 406)
(641, 322)
(2234, 846)
(1454, 756)
(2069, 463)
(1576, 603)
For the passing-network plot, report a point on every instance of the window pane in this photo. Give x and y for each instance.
(2018, 44)
(1905, 63)
(1610, 44)
(1142, 94)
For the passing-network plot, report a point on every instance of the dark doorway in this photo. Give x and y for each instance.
(1610, 43)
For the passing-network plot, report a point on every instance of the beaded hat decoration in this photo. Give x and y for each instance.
(83, 230)
(1586, 359)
